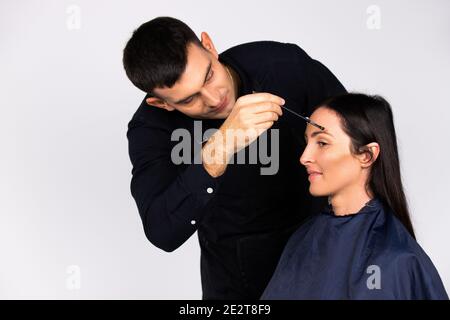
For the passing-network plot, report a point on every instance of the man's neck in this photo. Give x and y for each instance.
(236, 80)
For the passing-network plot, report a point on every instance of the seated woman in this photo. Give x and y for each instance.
(362, 246)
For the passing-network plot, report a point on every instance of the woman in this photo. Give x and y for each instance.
(362, 246)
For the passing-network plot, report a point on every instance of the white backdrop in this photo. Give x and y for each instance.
(69, 227)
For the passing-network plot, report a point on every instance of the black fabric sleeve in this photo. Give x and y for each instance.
(170, 198)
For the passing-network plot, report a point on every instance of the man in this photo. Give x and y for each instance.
(243, 217)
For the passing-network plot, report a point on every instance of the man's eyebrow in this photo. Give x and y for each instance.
(315, 133)
(204, 81)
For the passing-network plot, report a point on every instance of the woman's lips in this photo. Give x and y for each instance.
(313, 176)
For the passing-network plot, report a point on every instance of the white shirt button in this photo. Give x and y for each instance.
(193, 222)
(209, 190)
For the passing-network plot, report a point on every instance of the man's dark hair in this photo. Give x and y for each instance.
(156, 54)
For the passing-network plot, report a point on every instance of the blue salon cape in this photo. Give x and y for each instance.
(368, 255)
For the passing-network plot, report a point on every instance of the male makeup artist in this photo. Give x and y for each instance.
(243, 218)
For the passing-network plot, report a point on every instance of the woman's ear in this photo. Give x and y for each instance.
(159, 103)
(369, 154)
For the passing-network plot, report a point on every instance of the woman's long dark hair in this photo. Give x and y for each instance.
(369, 119)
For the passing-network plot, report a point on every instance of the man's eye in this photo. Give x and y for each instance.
(210, 75)
(187, 101)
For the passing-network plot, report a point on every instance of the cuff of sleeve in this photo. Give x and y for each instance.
(198, 181)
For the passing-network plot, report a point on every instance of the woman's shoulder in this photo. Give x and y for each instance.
(412, 275)
(404, 265)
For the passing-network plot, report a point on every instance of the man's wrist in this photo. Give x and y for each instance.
(215, 155)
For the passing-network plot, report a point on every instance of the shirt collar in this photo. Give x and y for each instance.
(247, 85)
(370, 206)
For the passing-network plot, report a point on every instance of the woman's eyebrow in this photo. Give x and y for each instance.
(315, 133)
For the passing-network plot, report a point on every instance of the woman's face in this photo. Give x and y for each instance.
(332, 168)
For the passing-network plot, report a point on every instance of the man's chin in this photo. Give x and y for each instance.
(218, 116)
(209, 116)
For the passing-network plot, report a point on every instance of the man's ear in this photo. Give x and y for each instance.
(208, 44)
(369, 154)
(159, 103)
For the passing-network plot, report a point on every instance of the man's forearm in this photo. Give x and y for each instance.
(216, 155)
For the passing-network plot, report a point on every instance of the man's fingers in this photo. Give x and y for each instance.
(264, 126)
(259, 108)
(265, 117)
(261, 97)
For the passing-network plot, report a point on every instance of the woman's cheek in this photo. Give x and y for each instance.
(336, 172)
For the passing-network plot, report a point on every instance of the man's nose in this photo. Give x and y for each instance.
(211, 97)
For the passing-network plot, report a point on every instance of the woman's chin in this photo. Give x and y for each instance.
(317, 193)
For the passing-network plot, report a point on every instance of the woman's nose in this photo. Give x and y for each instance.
(305, 158)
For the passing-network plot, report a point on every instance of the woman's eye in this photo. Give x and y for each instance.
(321, 143)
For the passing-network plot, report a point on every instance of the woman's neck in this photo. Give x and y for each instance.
(349, 201)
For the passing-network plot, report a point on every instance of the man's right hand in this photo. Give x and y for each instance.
(252, 114)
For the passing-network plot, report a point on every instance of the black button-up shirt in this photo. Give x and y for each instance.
(243, 218)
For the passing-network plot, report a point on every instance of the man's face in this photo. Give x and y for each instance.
(204, 91)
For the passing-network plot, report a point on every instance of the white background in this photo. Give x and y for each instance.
(65, 103)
